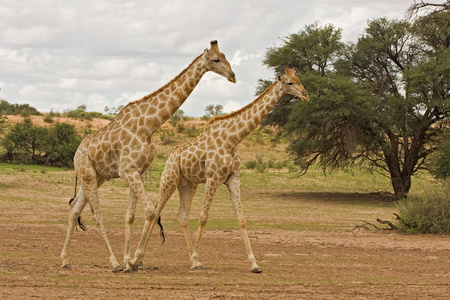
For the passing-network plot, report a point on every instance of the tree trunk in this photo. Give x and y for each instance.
(401, 186)
(400, 179)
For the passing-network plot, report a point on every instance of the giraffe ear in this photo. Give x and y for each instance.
(286, 70)
(206, 53)
(278, 77)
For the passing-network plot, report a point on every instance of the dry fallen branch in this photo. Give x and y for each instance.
(366, 224)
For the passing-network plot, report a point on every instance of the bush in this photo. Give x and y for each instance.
(428, 214)
(192, 131)
(81, 113)
(24, 138)
(30, 144)
(257, 164)
(440, 163)
(167, 136)
(60, 145)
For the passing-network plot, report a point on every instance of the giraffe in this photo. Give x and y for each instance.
(124, 147)
(211, 158)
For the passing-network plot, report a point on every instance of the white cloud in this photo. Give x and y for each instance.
(27, 90)
(231, 106)
(61, 54)
(97, 102)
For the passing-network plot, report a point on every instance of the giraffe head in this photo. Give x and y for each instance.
(291, 84)
(217, 63)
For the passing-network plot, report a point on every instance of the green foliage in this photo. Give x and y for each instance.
(257, 164)
(60, 144)
(81, 113)
(28, 143)
(214, 110)
(440, 163)
(312, 52)
(167, 136)
(111, 111)
(192, 131)
(178, 116)
(427, 214)
(24, 138)
(17, 109)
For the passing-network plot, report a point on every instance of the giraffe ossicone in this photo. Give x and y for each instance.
(124, 147)
(211, 158)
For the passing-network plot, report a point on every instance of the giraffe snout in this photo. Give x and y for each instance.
(232, 77)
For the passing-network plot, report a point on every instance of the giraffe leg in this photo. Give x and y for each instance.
(187, 191)
(129, 220)
(234, 189)
(168, 185)
(210, 190)
(77, 207)
(90, 186)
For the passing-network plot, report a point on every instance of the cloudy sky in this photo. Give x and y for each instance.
(57, 54)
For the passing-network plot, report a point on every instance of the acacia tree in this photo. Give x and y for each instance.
(213, 110)
(382, 100)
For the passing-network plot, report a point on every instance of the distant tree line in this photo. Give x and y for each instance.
(25, 110)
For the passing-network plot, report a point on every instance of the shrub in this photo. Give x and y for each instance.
(440, 163)
(60, 145)
(48, 119)
(251, 164)
(30, 144)
(24, 138)
(167, 136)
(427, 214)
(257, 164)
(192, 132)
(180, 127)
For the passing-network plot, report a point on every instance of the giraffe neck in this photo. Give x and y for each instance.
(241, 123)
(155, 109)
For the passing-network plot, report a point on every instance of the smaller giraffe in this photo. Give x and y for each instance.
(211, 158)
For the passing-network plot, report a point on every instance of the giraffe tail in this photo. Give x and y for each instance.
(80, 223)
(161, 231)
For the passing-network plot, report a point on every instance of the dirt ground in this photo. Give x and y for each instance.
(296, 265)
(313, 263)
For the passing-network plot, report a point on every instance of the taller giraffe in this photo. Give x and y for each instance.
(211, 158)
(124, 147)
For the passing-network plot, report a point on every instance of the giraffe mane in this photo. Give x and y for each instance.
(161, 88)
(241, 110)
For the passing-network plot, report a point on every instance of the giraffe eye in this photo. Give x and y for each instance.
(216, 60)
(289, 83)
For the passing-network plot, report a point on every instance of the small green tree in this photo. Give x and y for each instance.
(60, 144)
(214, 110)
(24, 137)
(178, 116)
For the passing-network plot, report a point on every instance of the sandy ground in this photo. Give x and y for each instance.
(356, 264)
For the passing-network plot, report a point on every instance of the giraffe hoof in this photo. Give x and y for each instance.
(129, 271)
(141, 266)
(66, 267)
(256, 270)
(117, 269)
(198, 267)
(133, 266)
